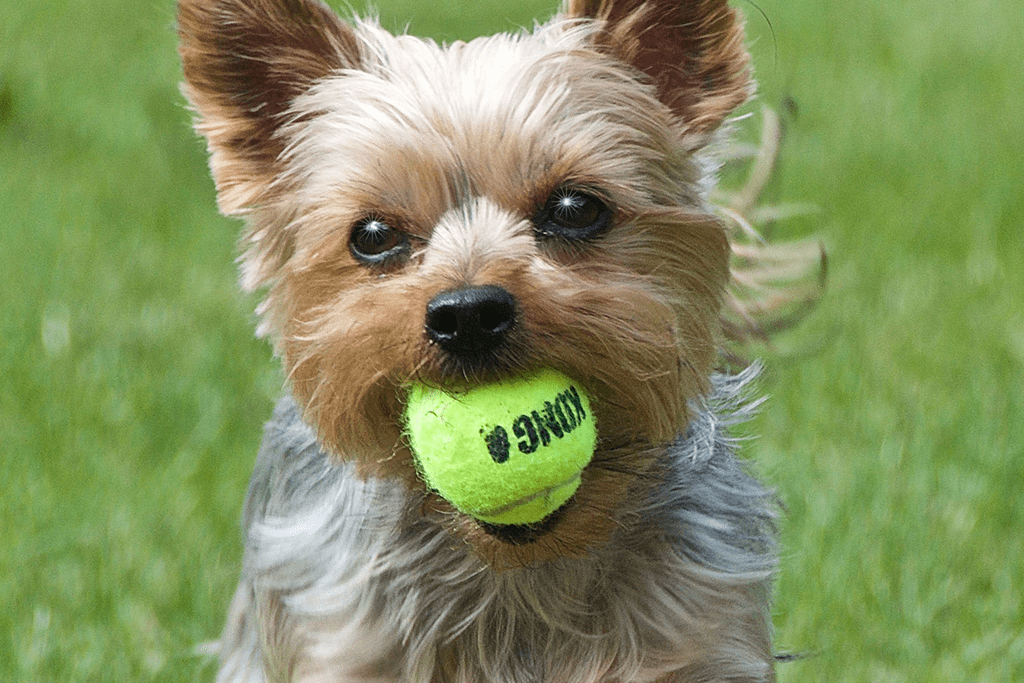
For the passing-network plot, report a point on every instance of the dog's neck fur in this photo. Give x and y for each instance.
(361, 585)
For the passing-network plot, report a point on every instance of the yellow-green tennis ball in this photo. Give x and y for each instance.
(510, 452)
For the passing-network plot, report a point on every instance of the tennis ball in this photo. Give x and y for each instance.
(510, 452)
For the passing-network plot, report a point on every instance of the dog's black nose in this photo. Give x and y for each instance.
(471, 319)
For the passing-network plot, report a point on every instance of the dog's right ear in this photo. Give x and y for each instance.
(245, 61)
(691, 50)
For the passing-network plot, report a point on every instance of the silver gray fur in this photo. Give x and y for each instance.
(344, 581)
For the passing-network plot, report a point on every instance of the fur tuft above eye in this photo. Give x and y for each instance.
(374, 242)
(574, 215)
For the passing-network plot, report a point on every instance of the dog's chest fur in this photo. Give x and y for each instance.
(360, 586)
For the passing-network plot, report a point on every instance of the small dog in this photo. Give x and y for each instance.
(458, 215)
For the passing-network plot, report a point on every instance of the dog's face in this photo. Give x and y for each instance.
(459, 214)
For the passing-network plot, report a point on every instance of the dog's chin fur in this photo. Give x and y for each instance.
(314, 125)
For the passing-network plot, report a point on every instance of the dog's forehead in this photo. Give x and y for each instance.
(485, 117)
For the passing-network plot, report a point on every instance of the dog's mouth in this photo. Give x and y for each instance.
(524, 534)
(609, 488)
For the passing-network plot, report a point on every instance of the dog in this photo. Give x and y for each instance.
(550, 191)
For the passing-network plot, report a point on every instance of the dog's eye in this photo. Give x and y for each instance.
(374, 242)
(573, 214)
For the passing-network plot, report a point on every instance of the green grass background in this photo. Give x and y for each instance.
(133, 392)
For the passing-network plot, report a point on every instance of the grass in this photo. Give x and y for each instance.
(134, 391)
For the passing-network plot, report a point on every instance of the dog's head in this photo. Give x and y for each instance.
(464, 213)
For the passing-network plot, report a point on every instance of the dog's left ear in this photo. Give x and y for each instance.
(245, 62)
(692, 50)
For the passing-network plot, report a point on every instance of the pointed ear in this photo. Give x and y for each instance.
(692, 50)
(244, 62)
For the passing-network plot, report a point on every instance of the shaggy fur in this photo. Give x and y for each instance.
(658, 567)
(360, 586)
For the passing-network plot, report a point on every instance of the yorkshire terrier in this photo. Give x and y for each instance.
(457, 215)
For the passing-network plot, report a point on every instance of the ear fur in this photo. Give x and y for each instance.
(244, 63)
(692, 50)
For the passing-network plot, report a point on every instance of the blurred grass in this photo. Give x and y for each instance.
(134, 391)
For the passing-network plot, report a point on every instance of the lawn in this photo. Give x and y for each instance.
(134, 392)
